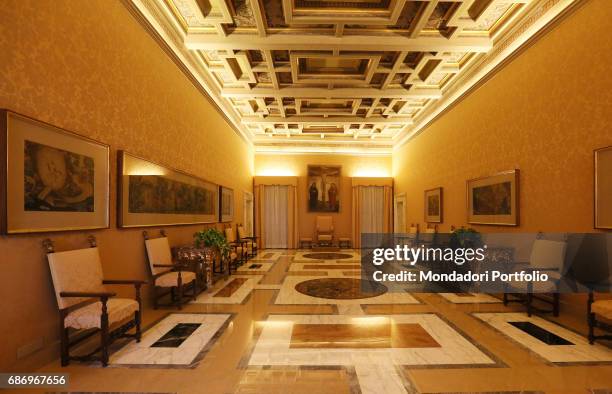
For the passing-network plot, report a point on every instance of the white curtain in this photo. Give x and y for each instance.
(372, 209)
(275, 215)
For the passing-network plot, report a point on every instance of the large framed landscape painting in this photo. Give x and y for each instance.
(324, 188)
(150, 194)
(433, 205)
(603, 188)
(226, 204)
(494, 200)
(52, 179)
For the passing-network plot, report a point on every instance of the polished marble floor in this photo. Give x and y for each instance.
(257, 333)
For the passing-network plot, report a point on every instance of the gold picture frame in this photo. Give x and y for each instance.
(602, 194)
(57, 180)
(494, 200)
(434, 205)
(226, 204)
(323, 191)
(152, 194)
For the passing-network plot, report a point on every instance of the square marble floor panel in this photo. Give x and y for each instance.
(267, 255)
(288, 295)
(284, 338)
(234, 290)
(255, 266)
(579, 351)
(186, 354)
(470, 298)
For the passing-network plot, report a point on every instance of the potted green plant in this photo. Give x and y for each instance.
(212, 238)
(465, 238)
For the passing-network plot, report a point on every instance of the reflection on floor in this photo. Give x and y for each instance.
(289, 324)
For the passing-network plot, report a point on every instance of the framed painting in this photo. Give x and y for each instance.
(433, 205)
(151, 194)
(52, 179)
(324, 188)
(494, 200)
(603, 188)
(226, 204)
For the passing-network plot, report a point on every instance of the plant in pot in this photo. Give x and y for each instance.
(213, 238)
(465, 238)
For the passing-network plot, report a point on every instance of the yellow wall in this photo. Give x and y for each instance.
(296, 165)
(90, 67)
(543, 113)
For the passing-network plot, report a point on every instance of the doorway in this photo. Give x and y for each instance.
(275, 219)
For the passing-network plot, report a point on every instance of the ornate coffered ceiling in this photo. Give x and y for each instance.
(340, 75)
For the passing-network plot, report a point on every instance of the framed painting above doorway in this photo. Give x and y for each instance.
(226, 204)
(52, 179)
(603, 188)
(494, 199)
(151, 194)
(433, 205)
(324, 188)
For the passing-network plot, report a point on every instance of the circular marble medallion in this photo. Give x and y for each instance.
(340, 288)
(327, 256)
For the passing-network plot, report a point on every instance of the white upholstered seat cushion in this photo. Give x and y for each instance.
(170, 279)
(325, 237)
(233, 256)
(602, 308)
(89, 316)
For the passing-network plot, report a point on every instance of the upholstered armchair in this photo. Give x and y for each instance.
(239, 250)
(325, 230)
(168, 277)
(599, 316)
(548, 257)
(86, 304)
(251, 241)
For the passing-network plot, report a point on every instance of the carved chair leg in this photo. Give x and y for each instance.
(104, 333)
(65, 351)
(591, 319)
(155, 304)
(556, 304)
(505, 299)
(195, 289)
(529, 302)
(179, 301)
(137, 319)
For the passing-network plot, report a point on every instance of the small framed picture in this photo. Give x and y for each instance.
(494, 199)
(433, 205)
(226, 204)
(603, 188)
(52, 179)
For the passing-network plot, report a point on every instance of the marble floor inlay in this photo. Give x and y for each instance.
(358, 336)
(578, 350)
(177, 335)
(327, 256)
(540, 333)
(341, 288)
(274, 346)
(470, 298)
(231, 287)
(186, 354)
(234, 290)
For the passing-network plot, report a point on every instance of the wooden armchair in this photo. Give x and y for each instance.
(603, 310)
(548, 257)
(167, 276)
(78, 281)
(325, 230)
(251, 241)
(239, 249)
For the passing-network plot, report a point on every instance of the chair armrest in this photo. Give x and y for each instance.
(124, 282)
(81, 294)
(164, 265)
(253, 237)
